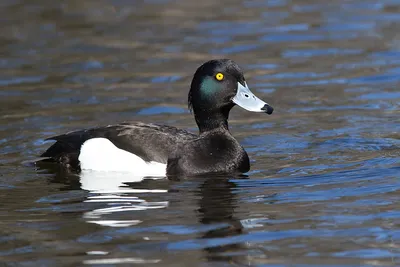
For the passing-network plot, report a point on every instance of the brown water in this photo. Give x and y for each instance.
(325, 179)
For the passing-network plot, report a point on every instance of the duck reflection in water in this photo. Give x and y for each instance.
(217, 204)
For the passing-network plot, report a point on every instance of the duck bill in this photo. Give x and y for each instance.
(247, 100)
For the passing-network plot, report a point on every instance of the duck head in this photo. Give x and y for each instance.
(217, 86)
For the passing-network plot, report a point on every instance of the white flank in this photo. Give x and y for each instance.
(100, 154)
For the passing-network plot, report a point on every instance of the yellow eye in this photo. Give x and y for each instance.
(219, 76)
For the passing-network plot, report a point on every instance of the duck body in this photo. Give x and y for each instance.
(181, 152)
(159, 150)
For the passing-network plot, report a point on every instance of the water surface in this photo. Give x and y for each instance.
(324, 185)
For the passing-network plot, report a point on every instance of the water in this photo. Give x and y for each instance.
(324, 185)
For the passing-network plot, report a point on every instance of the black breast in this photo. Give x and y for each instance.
(214, 152)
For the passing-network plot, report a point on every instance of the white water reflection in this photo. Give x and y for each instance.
(120, 261)
(111, 189)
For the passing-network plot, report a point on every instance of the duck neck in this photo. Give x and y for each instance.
(208, 120)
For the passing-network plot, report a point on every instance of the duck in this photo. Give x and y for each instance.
(160, 150)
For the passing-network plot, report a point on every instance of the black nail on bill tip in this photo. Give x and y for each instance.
(268, 109)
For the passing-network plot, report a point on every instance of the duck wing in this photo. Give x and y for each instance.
(151, 142)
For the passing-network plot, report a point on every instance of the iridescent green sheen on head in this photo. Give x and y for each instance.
(209, 86)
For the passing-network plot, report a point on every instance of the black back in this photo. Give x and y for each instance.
(151, 142)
